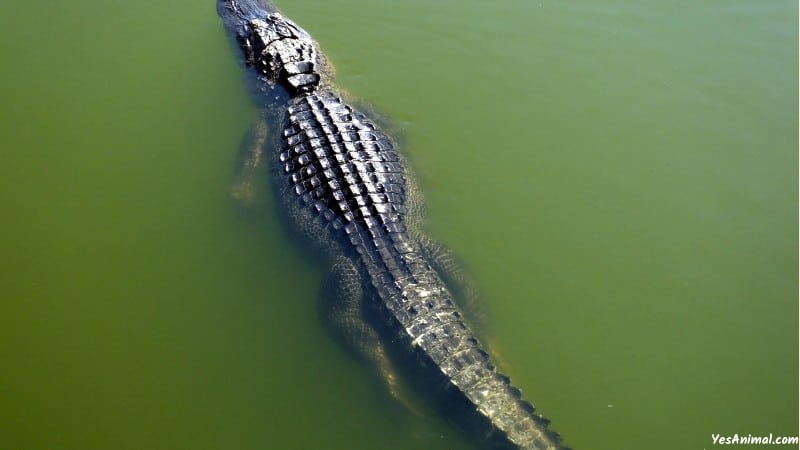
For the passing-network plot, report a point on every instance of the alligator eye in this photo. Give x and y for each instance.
(247, 48)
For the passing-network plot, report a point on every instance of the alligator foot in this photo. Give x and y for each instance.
(250, 159)
(342, 306)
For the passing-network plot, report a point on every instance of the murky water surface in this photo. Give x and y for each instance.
(620, 177)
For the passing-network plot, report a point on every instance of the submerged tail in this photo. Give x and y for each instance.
(483, 401)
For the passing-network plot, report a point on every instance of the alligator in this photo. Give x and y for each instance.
(394, 295)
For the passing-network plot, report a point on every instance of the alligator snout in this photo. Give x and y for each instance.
(237, 12)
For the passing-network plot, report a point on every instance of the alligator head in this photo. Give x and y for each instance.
(279, 50)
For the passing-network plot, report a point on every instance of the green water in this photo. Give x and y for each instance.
(620, 177)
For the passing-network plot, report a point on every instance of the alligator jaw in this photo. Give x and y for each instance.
(244, 10)
(236, 14)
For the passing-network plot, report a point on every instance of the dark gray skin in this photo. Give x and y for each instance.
(393, 296)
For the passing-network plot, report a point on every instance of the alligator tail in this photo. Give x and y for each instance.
(504, 419)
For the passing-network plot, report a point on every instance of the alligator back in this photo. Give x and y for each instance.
(347, 173)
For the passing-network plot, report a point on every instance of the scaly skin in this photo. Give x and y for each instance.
(348, 190)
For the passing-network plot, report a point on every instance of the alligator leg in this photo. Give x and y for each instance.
(391, 127)
(250, 159)
(342, 305)
(457, 279)
(464, 289)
